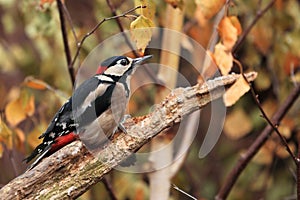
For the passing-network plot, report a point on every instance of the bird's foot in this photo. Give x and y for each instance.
(121, 126)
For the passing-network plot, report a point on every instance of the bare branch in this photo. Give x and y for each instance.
(65, 40)
(79, 45)
(109, 189)
(71, 171)
(136, 54)
(257, 144)
(258, 16)
(274, 126)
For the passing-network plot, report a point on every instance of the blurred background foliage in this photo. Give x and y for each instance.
(34, 82)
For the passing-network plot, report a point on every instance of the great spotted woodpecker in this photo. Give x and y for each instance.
(94, 111)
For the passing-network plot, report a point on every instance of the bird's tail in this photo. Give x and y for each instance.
(39, 151)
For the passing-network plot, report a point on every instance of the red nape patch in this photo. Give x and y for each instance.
(101, 69)
(63, 141)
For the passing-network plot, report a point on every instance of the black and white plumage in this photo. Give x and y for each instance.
(94, 111)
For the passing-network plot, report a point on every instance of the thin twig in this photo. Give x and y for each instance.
(135, 53)
(65, 41)
(109, 189)
(298, 168)
(257, 144)
(79, 45)
(183, 192)
(264, 115)
(68, 16)
(258, 16)
(114, 13)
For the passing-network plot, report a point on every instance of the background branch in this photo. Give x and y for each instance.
(65, 40)
(258, 16)
(79, 45)
(71, 171)
(256, 145)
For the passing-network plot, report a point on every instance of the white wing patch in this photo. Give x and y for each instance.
(91, 98)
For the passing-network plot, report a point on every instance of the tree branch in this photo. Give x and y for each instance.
(79, 45)
(65, 40)
(257, 144)
(258, 16)
(71, 171)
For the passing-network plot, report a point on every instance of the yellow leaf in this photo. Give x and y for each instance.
(210, 8)
(228, 33)
(35, 83)
(232, 126)
(238, 89)
(5, 135)
(223, 58)
(149, 11)
(17, 110)
(141, 32)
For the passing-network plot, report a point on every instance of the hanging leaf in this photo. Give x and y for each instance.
(210, 8)
(238, 89)
(228, 33)
(149, 11)
(141, 32)
(223, 58)
(17, 110)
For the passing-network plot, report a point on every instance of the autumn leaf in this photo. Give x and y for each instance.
(149, 11)
(236, 23)
(141, 32)
(17, 110)
(238, 89)
(210, 8)
(228, 33)
(5, 134)
(36, 83)
(223, 58)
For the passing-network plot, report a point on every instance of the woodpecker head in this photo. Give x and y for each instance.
(120, 65)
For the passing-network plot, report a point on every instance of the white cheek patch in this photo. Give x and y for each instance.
(105, 78)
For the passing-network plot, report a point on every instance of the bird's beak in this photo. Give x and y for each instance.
(141, 59)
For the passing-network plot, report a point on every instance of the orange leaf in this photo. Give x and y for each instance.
(236, 23)
(238, 89)
(17, 110)
(210, 8)
(228, 33)
(35, 83)
(223, 58)
(141, 32)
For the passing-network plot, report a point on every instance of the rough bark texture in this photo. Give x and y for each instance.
(73, 170)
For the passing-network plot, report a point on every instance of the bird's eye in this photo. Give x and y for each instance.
(124, 62)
